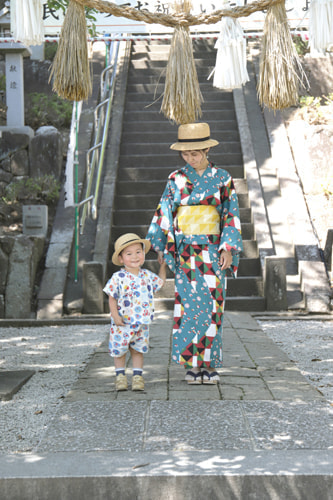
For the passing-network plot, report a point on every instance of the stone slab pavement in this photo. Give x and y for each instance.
(263, 432)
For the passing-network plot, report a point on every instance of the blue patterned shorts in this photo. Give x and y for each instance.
(124, 337)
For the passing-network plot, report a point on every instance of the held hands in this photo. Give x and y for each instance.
(225, 260)
(160, 257)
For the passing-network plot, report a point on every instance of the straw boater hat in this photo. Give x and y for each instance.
(193, 136)
(125, 241)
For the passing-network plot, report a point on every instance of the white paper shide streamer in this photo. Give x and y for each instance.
(230, 68)
(321, 25)
(28, 27)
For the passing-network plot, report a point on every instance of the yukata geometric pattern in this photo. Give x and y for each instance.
(198, 311)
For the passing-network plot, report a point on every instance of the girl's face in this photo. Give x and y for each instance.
(132, 257)
(196, 158)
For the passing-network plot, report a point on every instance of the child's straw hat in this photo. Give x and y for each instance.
(124, 241)
(193, 136)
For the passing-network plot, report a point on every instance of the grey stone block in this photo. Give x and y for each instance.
(11, 142)
(46, 152)
(4, 261)
(93, 277)
(275, 284)
(19, 163)
(19, 285)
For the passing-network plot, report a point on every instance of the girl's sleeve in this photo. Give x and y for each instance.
(231, 238)
(161, 230)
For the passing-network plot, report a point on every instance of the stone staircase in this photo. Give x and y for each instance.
(146, 160)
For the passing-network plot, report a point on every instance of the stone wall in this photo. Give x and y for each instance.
(25, 153)
(20, 256)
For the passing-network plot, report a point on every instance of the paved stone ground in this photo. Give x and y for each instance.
(262, 402)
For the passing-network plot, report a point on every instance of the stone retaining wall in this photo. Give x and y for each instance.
(23, 154)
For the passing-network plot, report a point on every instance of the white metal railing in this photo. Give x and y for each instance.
(95, 155)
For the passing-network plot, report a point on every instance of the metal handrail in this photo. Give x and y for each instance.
(102, 120)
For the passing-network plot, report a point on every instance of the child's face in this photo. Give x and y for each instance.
(132, 257)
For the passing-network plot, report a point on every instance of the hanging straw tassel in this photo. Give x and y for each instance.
(182, 97)
(28, 26)
(230, 68)
(320, 25)
(280, 67)
(70, 69)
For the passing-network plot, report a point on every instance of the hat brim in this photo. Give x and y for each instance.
(115, 256)
(194, 146)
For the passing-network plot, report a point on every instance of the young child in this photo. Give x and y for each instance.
(130, 292)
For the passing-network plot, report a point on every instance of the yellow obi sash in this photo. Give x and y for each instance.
(198, 219)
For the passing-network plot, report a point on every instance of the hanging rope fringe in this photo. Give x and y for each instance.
(182, 97)
(230, 68)
(70, 68)
(321, 25)
(280, 68)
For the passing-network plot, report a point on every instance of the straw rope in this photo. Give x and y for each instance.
(179, 18)
(278, 80)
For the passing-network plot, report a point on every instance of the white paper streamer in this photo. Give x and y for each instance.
(321, 25)
(230, 68)
(28, 26)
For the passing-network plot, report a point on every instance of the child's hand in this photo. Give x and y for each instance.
(118, 320)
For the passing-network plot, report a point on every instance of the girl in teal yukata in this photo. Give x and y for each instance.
(196, 229)
(131, 293)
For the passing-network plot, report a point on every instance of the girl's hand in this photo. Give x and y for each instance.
(225, 260)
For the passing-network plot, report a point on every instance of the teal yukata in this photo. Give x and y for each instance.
(200, 285)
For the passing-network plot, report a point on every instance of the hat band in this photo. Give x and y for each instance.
(195, 140)
(130, 241)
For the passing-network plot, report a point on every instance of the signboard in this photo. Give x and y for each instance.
(297, 11)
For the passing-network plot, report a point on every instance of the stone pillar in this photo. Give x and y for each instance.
(93, 299)
(14, 53)
(14, 90)
(275, 284)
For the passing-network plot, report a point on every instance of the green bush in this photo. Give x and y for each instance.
(50, 49)
(42, 109)
(302, 47)
(44, 189)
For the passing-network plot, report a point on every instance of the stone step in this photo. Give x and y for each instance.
(218, 96)
(217, 127)
(145, 105)
(142, 201)
(158, 89)
(153, 74)
(232, 162)
(249, 304)
(152, 116)
(159, 147)
(168, 137)
(247, 266)
(142, 229)
(143, 217)
(129, 168)
(156, 62)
